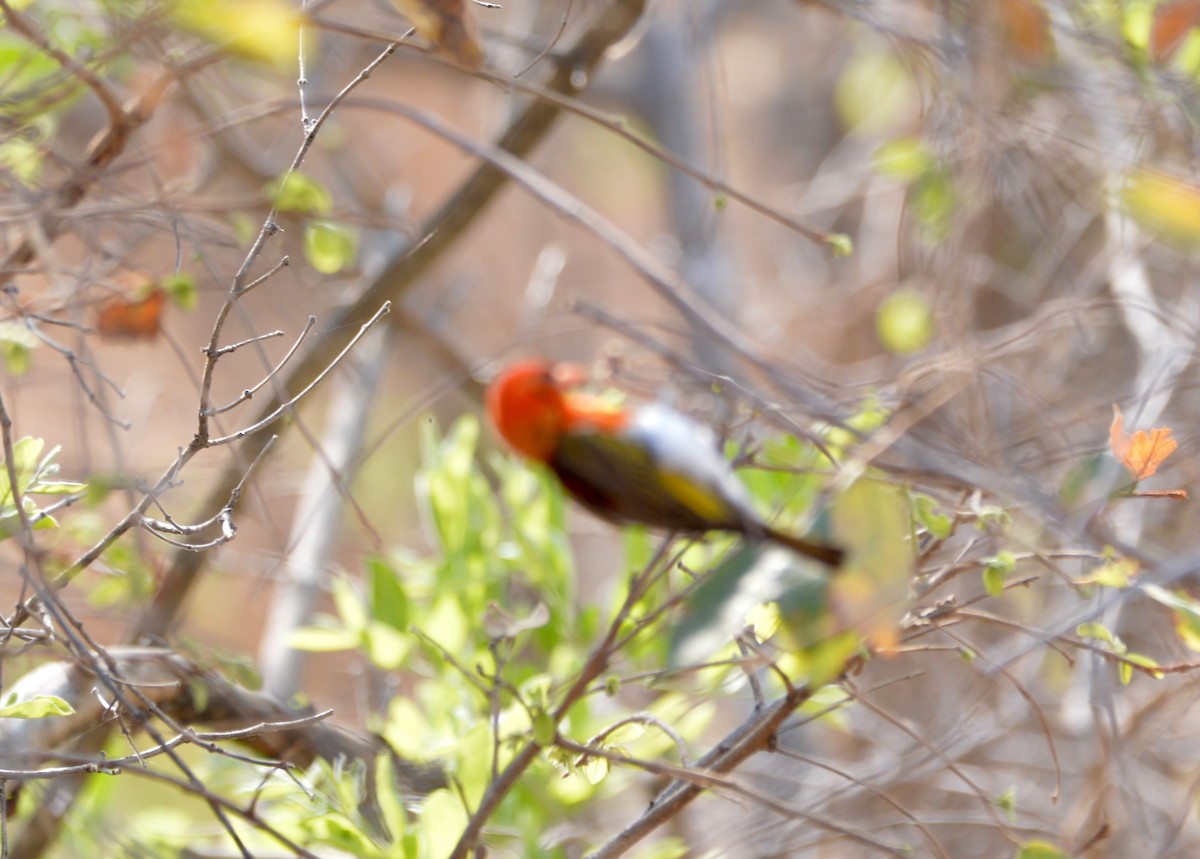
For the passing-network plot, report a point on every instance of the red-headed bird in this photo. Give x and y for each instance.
(649, 465)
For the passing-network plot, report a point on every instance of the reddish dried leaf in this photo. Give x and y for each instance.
(1171, 24)
(1026, 29)
(447, 25)
(1142, 452)
(123, 319)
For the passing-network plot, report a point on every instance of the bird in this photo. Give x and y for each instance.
(649, 464)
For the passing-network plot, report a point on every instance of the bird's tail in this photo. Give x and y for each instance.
(830, 555)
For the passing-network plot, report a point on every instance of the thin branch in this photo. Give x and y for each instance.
(284, 407)
(259, 281)
(250, 392)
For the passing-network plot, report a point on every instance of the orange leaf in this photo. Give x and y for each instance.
(123, 319)
(1172, 22)
(1141, 452)
(1026, 29)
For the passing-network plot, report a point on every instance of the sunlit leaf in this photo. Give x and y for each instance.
(1164, 204)
(1145, 662)
(16, 347)
(904, 322)
(330, 247)
(38, 707)
(323, 639)
(386, 647)
(350, 607)
(904, 158)
(301, 194)
(1040, 850)
(996, 571)
(1097, 631)
(1143, 451)
(388, 600)
(180, 287)
(1116, 573)
(840, 243)
(262, 30)
(939, 525)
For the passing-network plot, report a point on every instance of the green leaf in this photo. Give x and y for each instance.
(904, 159)
(36, 708)
(16, 350)
(445, 624)
(1098, 631)
(595, 769)
(939, 525)
(26, 452)
(996, 572)
(840, 243)
(544, 728)
(1145, 662)
(388, 600)
(993, 580)
(1040, 850)
(388, 796)
(386, 646)
(1007, 802)
(180, 288)
(349, 605)
(1114, 574)
(329, 246)
(301, 194)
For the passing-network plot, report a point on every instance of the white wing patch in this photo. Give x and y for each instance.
(685, 456)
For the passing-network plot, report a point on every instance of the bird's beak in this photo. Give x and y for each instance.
(569, 375)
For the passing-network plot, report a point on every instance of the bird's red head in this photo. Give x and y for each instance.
(527, 406)
(532, 406)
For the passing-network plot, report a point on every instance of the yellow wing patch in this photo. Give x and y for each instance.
(698, 498)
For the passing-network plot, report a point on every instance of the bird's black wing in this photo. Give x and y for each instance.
(620, 480)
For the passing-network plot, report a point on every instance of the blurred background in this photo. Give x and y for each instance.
(975, 222)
